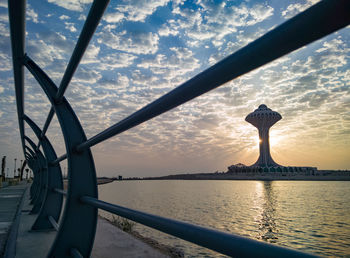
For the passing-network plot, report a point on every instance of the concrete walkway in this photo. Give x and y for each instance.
(10, 202)
(110, 241)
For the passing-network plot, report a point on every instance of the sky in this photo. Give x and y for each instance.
(143, 49)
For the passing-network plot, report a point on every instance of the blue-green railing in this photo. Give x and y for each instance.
(76, 229)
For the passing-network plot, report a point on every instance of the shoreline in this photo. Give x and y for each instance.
(170, 251)
(247, 177)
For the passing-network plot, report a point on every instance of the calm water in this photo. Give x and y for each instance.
(304, 215)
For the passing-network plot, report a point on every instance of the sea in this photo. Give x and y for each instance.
(309, 216)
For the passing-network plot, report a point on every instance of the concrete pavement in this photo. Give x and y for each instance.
(10, 203)
(110, 241)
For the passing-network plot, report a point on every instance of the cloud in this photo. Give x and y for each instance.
(64, 17)
(48, 47)
(70, 26)
(31, 15)
(134, 42)
(314, 99)
(138, 10)
(171, 29)
(113, 17)
(294, 9)
(84, 75)
(143, 50)
(72, 5)
(217, 20)
(4, 17)
(116, 60)
(179, 62)
(5, 62)
(91, 55)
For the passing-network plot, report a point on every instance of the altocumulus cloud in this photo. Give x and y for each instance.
(143, 49)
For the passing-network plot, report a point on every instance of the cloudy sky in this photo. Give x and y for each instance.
(143, 49)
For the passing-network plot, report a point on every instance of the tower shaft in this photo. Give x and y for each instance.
(263, 118)
(265, 159)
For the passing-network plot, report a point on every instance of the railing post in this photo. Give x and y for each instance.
(78, 224)
(32, 163)
(52, 202)
(42, 167)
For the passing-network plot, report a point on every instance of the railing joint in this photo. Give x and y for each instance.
(76, 150)
(59, 191)
(52, 164)
(58, 101)
(53, 222)
(75, 253)
(23, 59)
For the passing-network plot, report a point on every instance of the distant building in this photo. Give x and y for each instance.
(240, 168)
(263, 119)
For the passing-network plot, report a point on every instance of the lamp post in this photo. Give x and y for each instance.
(27, 170)
(14, 172)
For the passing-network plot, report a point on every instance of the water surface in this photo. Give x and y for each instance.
(310, 216)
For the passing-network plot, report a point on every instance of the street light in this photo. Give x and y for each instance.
(14, 172)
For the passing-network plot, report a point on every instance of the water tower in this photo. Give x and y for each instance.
(263, 118)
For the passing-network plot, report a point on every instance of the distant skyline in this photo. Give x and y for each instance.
(142, 50)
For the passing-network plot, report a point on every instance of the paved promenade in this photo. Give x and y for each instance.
(110, 241)
(10, 202)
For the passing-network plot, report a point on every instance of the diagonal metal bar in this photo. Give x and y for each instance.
(46, 125)
(81, 165)
(60, 191)
(96, 11)
(75, 253)
(53, 223)
(16, 9)
(52, 203)
(58, 160)
(314, 23)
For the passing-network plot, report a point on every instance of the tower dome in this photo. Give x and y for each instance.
(263, 118)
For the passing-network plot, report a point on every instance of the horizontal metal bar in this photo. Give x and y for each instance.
(96, 11)
(58, 160)
(46, 125)
(53, 222)
(75, 253)
(221, 242)
(314, 23)
(60, 191)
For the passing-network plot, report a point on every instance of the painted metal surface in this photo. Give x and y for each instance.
(78, 223)
(52, 202)
(326, 16)
(16, 9)
(43, 175)
(77, 227)
(225, 243)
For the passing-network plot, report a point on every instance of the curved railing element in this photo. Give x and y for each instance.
(52, 203)
(76, 229)
(41, 168)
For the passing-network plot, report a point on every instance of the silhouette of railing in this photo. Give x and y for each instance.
(76, 228)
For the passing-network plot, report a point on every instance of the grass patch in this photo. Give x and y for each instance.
(123, 223)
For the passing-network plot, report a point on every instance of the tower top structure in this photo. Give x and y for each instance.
(263, 118)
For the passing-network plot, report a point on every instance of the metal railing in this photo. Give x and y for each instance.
(76, 229)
